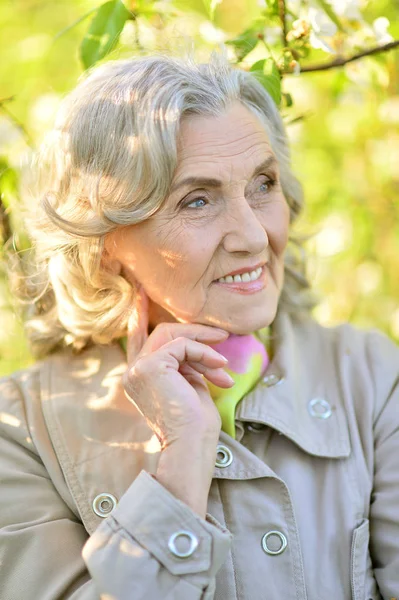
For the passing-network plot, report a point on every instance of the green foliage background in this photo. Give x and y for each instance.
(343, 126)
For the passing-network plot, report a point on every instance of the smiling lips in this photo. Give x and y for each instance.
(248, 282)
(242, 277)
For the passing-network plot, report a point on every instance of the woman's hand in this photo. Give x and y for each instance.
(165, 373)
(165, 381)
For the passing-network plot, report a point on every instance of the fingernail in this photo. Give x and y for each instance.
(226, 360)
(229, 378)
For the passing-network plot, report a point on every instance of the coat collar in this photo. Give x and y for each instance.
(102, 442)
(302, 370)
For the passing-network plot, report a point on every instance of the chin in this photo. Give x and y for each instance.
(244, 324)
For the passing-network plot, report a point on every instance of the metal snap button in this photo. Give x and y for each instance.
(104, 504)
(256, 427)
(267, 544)
(320, 408)
(272, 379)
(193, 543)
(226, 456)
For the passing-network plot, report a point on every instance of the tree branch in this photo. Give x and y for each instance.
(281, 12)
(339, 62)
(5, 226)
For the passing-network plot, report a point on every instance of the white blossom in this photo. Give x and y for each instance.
(348, 9)
(272, 35)
(322, 30)
(321, 23)
(380, 27)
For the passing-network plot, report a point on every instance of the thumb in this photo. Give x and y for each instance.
(137, 328)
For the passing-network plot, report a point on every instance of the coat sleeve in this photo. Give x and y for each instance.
(46, 553)
(384, 509)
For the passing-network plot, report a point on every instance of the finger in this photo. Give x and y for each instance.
(183, 350)
(217, 376)
(193, 376)
(171, 357)
(167, 332)
(137, 333)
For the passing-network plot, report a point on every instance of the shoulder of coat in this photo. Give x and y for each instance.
(21, 392)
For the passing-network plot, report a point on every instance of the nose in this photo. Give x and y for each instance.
(243, 230)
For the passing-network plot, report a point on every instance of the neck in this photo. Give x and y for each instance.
(157, 315)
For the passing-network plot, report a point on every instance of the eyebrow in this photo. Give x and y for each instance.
(216, 183)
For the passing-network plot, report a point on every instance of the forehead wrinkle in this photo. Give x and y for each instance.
(185, 154)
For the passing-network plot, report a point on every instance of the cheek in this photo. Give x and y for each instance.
(166, 264)
(187, 251)
(277, 228)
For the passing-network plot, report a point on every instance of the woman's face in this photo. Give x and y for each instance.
(225, 213)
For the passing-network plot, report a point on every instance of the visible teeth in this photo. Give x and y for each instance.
(244, 277)
(256, 274)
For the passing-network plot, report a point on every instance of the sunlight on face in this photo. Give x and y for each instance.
(225, 212)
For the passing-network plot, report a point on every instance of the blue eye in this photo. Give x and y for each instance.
(195, 202)
(266, 184)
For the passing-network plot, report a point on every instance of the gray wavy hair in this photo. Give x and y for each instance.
(109, 162)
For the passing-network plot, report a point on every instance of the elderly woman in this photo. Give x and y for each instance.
(190, 432)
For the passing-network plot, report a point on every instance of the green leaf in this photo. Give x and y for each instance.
(245, 42)
(330, 13)
(210, 7)
(104, 32)
(271, 9)
(288, 100)
(267, 73)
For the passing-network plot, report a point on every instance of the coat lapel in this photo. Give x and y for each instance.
(304, 366)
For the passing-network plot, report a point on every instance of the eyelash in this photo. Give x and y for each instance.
(270, 182)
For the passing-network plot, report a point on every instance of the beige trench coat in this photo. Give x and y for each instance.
(304, 504)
